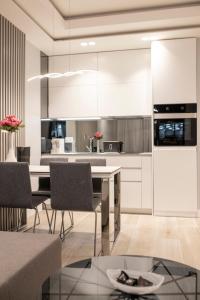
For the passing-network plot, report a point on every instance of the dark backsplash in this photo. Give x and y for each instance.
(135, 133)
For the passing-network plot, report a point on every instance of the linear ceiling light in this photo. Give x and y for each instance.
(58, 75)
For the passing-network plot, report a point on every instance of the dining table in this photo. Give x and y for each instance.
(108, 176)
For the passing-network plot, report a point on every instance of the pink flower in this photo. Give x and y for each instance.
(10, 123)
(98, 135)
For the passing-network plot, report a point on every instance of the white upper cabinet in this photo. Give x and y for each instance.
(74, 96)
(124, 83)
(73, 101)
(120, 87)
(173, 64)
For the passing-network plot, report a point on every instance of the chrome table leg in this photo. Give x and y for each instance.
(105, 217)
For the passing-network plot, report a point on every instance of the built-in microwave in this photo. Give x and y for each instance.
(175, 124)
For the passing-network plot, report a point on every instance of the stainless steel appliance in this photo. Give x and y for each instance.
(175, 124)
(112, 146)
(69, 144)
(58, 146)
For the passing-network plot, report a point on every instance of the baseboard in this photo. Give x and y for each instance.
(186, 214)
(140, 211)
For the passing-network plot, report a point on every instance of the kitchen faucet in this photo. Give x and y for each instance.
(89, 148)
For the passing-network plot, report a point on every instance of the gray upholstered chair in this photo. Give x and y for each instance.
(94, 162)
(71, 190)
(15, 190)
(44, 182)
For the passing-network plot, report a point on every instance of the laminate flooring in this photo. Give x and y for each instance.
(165, 237)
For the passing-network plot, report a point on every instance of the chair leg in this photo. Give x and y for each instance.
(62, 227)
(63, 231)
(38, 215)
(54, 226)
(95, 234)
(35, 218)
(71, 215)
(49, 222)
(20, 220)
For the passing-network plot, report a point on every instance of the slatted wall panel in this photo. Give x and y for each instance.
(12, 97)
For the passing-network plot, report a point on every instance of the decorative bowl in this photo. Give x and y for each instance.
(156, 279)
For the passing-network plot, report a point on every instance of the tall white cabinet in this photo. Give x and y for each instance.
(173, 64)
(174, 80)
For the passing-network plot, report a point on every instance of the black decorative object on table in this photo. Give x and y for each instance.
(23, 154)
(131, 281)
(87, 279)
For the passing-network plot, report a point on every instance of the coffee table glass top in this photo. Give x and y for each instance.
(87, 279)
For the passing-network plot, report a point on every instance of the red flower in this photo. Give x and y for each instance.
(98, 135)
(10, 123)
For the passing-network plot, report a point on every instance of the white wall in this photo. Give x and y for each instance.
(32, 103)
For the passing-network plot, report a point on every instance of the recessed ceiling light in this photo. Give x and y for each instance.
(91, 43)
(149, 38)
(84, 44)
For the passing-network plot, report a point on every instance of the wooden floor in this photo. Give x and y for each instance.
(166, 237)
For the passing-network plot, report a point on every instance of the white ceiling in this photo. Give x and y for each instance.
(47, 29)
(69, 8)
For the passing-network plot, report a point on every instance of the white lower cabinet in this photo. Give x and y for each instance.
(136, 180)
(175, 181)
(131, 195)
(147, 182)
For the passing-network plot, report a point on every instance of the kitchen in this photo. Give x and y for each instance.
(132, 125)
(117, 87)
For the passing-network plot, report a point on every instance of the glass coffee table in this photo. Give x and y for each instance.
(87, 279)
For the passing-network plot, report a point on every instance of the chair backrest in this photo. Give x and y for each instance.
(15, 185)
(45, 161)
(93, 161)
(71, 186)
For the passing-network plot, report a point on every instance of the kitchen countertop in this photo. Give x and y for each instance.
(99, 154)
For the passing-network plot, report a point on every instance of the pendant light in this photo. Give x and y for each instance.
(67, 73)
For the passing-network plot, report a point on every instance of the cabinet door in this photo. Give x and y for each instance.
(147, 183)
(124, 83)
(175, 181)
(74, 96)
(124, 99)
(73, 101)
(174, 71)
(131, 195)
(125, 161)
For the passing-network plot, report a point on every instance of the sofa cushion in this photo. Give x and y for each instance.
(26, 261)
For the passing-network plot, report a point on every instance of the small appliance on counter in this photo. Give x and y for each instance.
(69, 144)
(58, 146)
(113, 146)
(46, 145)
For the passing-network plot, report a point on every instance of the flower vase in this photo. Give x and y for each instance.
(98, 146)
(11, 152)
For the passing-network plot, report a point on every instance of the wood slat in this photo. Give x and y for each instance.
(12, 97)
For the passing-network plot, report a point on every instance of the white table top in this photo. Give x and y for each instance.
(97, 172)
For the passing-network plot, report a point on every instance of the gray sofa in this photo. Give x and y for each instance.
(26, 261)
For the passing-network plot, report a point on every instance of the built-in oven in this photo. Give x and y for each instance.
(175, 124)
